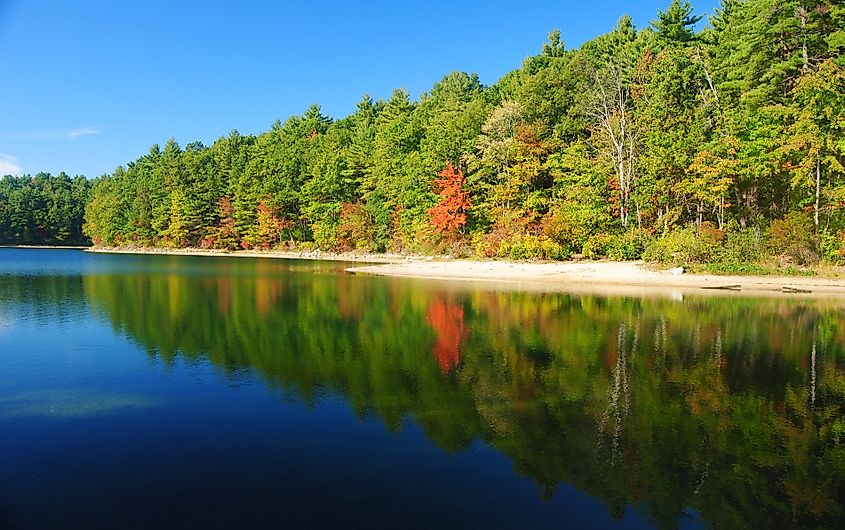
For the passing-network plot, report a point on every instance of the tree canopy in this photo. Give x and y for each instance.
(642, 142)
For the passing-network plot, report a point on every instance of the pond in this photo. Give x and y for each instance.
(217, 392)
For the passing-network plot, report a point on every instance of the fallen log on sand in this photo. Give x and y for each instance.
(725, 287)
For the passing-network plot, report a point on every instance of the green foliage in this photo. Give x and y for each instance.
(832, 247)
(531, 247)
(43, 209)
(686, 246)
(626, 246)
(681, 144)
(732, 249)
(741, 246)
(730, 268)
(596, 247)
(793, 239)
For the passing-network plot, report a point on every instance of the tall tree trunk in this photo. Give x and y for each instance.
(801, 13)
(818, 195)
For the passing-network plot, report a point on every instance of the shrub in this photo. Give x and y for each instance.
(793, 239)
(741, 246)
(521, 247)
(736, 268)
(628, 246)
(832, 247)
(568, 226)
(676, 247)
(687, 246)
(597, 245)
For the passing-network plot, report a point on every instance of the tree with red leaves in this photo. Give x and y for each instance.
(449, 215)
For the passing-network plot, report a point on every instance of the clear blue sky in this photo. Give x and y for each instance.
(90, 85)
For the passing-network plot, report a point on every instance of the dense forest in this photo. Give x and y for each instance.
(43, 210)
(697, 141)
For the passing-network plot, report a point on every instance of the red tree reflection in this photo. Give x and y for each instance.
(447, 321)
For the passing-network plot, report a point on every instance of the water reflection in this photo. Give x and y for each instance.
(731, 408)
(727, 408)
(69, 403)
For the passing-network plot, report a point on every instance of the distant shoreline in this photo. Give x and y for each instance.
(54, 247)
(354, 257)
(623, 277)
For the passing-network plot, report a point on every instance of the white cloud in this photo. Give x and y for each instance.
(9, 165)
(59, 133)
(83, 131)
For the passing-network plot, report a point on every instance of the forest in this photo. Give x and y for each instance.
(43, 209)
(717, 141)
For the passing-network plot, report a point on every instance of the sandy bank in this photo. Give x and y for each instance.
(559, 276)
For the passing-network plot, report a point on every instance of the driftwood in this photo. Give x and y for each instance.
(795, 290)
(725, 287)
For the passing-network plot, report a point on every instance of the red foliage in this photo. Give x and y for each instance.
(268, 229)
(224, 234)
(355, 227)
(447, 321)
(449, 215)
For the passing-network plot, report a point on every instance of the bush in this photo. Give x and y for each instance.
(676, 247)
(521, 247)
(567, 226)
(832, 247)
(627, 246)
(597, 245)
(794, 240)
(687, 246)
(741, 246)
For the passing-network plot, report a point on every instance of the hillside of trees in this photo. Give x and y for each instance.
(43, 209)
(717, 141)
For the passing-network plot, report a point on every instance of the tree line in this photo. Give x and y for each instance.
(43, 209)
(715, 145)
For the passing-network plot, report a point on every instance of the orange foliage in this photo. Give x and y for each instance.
(447, 321)
(449, 215)
(268, 229)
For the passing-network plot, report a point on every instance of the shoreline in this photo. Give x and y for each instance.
(634, 277)
(631, 277)
(350, 257)
(51, 247)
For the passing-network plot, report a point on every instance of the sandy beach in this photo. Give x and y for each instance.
(629, 277)
(635, 278)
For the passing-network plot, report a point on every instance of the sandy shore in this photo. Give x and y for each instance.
(634, 278)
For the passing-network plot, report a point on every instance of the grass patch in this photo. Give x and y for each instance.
(752, 269)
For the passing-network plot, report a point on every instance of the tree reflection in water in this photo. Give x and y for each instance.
(722, 412)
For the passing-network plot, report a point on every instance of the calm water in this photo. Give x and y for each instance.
(175, 392)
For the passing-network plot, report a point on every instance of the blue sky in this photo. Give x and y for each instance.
(90, 85)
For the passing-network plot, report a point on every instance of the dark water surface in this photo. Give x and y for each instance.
(190, 392)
